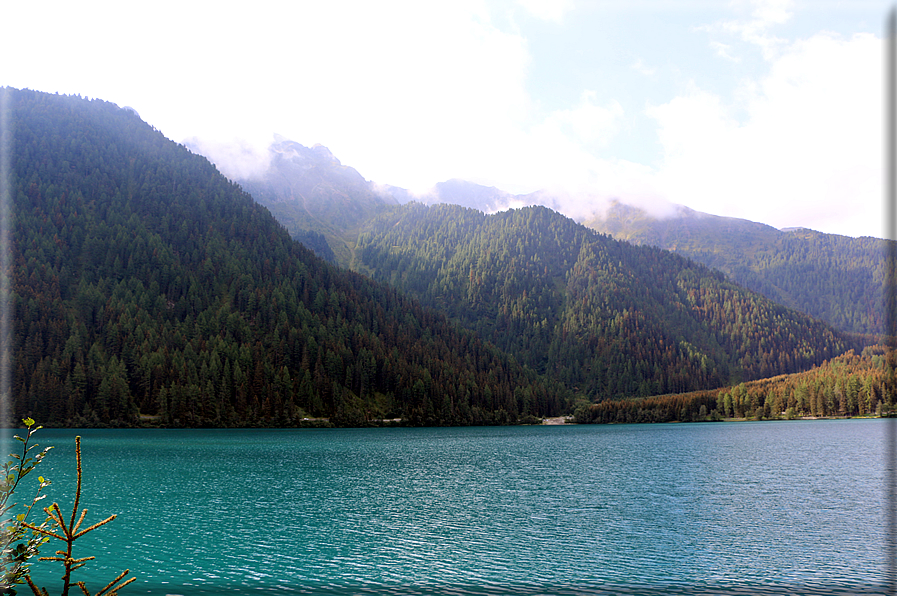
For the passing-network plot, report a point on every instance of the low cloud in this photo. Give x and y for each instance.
(415, 94)
(811, 137)
(586, 205)
(238, 159)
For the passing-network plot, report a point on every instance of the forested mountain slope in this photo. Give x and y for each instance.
(837, 279)
(146, 283)
(605, 317)
(849, 385)
(832, 278)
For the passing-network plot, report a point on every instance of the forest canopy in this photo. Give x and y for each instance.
(149, 287)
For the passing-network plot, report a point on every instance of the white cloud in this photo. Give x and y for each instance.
(756, 29)
(398, 91)
(809, 152)
(640, 66)
(803, 136)
(772, 11)
(548, 10)
(587, 123)
(724, 50)
(237, 159)
(411, 93)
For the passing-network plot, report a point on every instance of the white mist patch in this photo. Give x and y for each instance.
(510, 204)
(238, 159)
(384, 191)
(582, 205)
(654, 206)
(423, 193)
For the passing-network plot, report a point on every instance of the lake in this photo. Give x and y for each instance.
(726, 508)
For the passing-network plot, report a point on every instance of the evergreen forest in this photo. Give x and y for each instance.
(148, 288)
(605, 318)
(848, 385)
(833, 278)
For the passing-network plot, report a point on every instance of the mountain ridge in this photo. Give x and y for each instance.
(844, 292)
(835, 278)
(607, 317)
(147, 286)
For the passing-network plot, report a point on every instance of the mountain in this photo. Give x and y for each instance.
(604, 317)
(316, 197)
(834, 278)
(408, 245)
(147, 286)
(468, 194)
(309, 190)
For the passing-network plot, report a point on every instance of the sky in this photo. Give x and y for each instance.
(767, 110)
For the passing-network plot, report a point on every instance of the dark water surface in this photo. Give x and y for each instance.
(746, 508)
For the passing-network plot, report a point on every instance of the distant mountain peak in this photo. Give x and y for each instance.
(318, 154)
(324, 152)
(309, 190)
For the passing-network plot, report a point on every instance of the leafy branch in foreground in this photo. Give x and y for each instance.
(19, 540)
(69, 533)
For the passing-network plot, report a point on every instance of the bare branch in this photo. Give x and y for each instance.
(115, 581)
(94, 527)
(80, 519)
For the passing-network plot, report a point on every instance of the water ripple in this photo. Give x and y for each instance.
(687, 509)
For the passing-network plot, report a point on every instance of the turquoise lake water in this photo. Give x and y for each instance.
(731, 508)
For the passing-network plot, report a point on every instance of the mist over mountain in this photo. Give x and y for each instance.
(467, 194)
(291, 179)
(834, 278)
(489, 199)
(315, 175)
(311, 193)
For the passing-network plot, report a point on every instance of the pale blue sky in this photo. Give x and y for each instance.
(769, 111)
